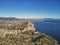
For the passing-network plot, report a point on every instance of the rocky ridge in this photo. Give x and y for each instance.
(23, 33)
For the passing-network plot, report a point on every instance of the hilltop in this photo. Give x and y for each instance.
(23, 33)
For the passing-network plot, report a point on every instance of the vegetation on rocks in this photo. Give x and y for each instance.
(27, 36)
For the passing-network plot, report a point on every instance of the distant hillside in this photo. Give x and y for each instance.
(50, 20)
(7, 18)
(18, 19)
(32, 19)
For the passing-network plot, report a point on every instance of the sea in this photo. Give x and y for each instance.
(50, 28)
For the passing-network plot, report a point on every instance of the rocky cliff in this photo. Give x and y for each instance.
(23, 33)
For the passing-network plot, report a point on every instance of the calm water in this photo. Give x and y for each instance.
(49, 28)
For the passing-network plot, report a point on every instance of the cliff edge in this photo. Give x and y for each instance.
(23, 33)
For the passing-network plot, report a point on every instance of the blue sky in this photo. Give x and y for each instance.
(30, 8)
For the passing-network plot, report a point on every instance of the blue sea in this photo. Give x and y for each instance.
(49, 28)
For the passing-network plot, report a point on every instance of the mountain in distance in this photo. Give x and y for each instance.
(50, 20)
(19, 19)
(32, 19)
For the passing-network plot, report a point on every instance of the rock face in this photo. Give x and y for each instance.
(24, 34)
(22, 26)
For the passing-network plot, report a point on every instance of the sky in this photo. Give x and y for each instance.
(30, 8)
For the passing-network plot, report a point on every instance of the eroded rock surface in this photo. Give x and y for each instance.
(24, 33)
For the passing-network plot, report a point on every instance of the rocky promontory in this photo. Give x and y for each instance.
(23, 33)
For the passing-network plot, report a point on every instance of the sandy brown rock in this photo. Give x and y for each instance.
(24, 33)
